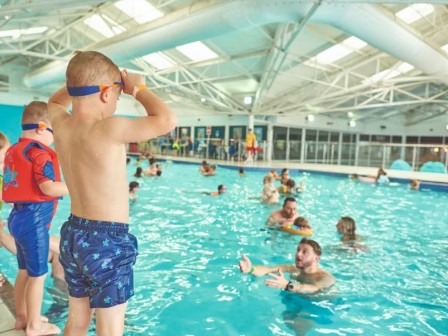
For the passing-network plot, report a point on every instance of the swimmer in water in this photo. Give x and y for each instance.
(286, 215)
(221, 190)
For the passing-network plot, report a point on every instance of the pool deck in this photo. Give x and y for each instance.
(433, 181)
(7, 318)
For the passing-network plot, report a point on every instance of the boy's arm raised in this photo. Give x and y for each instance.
(159, 120)
(58, 105)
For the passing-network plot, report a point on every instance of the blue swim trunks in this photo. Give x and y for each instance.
(29, 224)
(98, 258)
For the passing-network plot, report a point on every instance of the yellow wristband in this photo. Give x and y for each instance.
(138, 88)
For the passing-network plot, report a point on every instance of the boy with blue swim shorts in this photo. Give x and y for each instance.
(97, 251)
(32, 182)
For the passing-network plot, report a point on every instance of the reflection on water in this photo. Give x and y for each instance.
(187, 281)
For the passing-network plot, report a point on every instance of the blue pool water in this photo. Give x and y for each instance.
(187, 281)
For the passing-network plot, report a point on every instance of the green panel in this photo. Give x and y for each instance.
(199, 132)
(237, 131)
(261, 132)
(218, 132)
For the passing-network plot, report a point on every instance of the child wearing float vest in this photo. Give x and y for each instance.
(32, 182)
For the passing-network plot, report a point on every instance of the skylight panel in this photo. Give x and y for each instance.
(387, 74)
(99, 24)
(197, 51)
(354, 43)
(445, 48)
(140, 10)
(16, 33)
(339, 51)
(332, 54)
(414, 12)
(159, 61)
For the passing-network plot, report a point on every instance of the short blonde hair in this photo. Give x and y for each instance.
(88, 68)
(4, 141)
(268, 179)
(35, 112)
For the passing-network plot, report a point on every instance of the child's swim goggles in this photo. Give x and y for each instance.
(88, 90)
(27, 127)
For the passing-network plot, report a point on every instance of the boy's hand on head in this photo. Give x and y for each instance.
(130, 81)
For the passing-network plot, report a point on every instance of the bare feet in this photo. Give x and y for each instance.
(2, 278)
(45, 329)
(21, 322)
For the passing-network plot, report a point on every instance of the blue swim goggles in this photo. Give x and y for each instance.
(77, 91)
(27, 127)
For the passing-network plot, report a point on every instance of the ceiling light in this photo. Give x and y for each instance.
(310, 117)
(352, 123)
(350, 114)
(248, 100)
(203, 99)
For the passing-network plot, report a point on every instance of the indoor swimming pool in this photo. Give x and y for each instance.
(187, 280)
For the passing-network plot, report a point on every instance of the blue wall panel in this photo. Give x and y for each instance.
(10, 121)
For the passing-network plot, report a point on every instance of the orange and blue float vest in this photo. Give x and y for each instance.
(18, 182)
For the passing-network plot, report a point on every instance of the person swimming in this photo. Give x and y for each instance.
(134, 186)
(221, 190)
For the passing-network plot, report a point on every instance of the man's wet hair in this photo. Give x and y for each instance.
(314, 244)
(288, 199)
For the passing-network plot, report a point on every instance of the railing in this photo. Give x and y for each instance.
(367, 154)
(361, 154)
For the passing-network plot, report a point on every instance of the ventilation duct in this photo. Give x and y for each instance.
(208, 19)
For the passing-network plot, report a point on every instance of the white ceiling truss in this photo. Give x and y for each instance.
(266, 58)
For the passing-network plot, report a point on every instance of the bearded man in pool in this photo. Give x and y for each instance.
(306, 275)
(286, 215)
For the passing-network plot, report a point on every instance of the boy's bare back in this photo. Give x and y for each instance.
(91, 141)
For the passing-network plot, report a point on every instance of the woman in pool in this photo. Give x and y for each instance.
(346, 227)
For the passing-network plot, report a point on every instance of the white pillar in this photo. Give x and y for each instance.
(270, 141)
(250, 121)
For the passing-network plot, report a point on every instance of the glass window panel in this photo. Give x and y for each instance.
(412, 140)
(431, 140)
